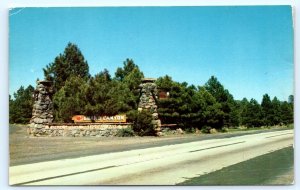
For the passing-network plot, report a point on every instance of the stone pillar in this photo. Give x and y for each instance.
(42, 112)
(148, 100)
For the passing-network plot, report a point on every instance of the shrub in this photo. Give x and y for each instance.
(127, 132)
(290, 126)
(224, 129)
(213, 131)
(142, 124)
(131, 115)
(190, 130)
(206, 129)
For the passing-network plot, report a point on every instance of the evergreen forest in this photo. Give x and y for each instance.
(209, 105)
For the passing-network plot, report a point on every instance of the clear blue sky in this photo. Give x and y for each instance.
(249, 49)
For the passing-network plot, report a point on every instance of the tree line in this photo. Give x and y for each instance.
(188, 106)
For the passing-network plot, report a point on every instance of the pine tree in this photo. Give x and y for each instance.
(70, 63)
(70, 99)
(291, 99)
(128, 67)
(222, 96)
(267, 110)
(20, 108)
(252, 114)
(276, 115)
(243, 110)
(286, 112)
(211, 111)
(131, 76)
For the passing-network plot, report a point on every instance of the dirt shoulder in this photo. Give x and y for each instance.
(24, 149)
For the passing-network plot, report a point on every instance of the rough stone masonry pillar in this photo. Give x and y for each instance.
(148, 100)
(42, 112)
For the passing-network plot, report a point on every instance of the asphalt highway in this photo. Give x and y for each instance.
(161, 165)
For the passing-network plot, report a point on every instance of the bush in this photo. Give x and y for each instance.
(224, 129)
(142, 124)
(127, 132)
(131, 115)
(190, 130)
(206, 129)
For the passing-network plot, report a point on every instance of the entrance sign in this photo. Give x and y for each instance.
(99, 119)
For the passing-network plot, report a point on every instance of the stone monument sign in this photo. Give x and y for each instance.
(148, 98)
(42, 113)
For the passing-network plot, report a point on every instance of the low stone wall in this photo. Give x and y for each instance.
(78, 130)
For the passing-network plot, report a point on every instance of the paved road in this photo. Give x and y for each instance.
(164, 165)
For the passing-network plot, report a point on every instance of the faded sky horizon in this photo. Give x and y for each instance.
(249, 49)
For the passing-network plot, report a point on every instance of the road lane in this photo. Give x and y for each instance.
(163, 165)
(80, 147)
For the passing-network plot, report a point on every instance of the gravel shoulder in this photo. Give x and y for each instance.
(24, 149)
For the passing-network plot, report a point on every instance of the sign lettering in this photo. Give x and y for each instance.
(99, 119)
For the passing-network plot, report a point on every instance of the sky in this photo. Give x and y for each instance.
(249, 49)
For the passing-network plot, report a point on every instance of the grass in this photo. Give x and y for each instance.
(14, 128)
(289, 126)
(261, 170)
